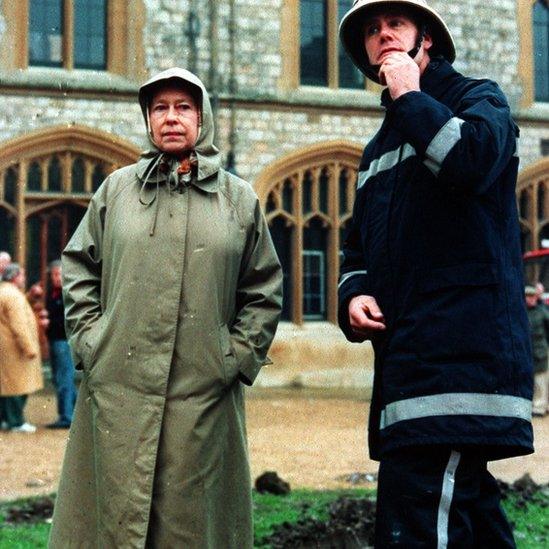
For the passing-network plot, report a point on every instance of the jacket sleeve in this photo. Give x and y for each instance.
(258, 300)
(466, 150)
(353, 277)
(17, 320)
(82, 264)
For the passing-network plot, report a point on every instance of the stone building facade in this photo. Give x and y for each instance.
(291, 124)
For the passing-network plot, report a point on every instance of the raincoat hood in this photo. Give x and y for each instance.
(208, 156)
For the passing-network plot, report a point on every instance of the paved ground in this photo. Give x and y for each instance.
(310, 440)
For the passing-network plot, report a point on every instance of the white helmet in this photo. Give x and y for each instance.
(351, 31)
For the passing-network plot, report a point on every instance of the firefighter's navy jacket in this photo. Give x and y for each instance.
(435, 239)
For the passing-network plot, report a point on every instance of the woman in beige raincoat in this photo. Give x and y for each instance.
(172, 296)
(20, 364)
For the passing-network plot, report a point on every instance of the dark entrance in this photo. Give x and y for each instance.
(48, 232)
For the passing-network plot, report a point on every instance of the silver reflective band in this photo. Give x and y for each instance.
(456, 404)
(385, 162)
(346, 276)
(517, 148)
(442, 143)
(447, 493)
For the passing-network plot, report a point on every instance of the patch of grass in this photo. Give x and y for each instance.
(530, 520)
(270, 510)
(28, 536)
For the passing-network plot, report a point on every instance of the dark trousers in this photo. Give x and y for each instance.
(441, 499)
(63, 377)
(11, 410)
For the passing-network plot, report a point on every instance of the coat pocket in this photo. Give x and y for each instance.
(455, 318)
(92, 339)
(228, 356)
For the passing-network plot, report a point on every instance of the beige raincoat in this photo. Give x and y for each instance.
(20, 364)
(172, 296)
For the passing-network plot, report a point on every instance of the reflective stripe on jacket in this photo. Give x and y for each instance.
(435, 239)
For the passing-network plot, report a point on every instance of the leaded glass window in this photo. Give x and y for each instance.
(541, 50)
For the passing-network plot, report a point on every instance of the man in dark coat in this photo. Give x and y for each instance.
(432, 274)
(60, 354)
(538, 317)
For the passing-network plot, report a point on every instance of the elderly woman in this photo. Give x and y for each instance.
(172, 296)
(20, 364)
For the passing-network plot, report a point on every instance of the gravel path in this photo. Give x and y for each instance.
(310, 441)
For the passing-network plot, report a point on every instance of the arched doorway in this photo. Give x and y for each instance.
(46, 180)
(308, 198)
(533, 204)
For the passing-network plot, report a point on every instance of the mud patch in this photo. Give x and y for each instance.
(351, 521)
(29, 511)
(350, 526)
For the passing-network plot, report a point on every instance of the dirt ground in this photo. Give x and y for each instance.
(310, 440)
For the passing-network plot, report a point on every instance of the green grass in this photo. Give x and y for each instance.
(34, 536)
(531, 522)
(270, 510)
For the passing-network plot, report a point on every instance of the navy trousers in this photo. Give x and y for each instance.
(439, 498)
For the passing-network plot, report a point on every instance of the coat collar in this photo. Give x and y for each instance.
(205, 180)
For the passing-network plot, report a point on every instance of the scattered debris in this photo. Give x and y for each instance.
(359, 478)
(351, 520)
(270, 482)
(350, 526)
(30, 511)
(525, 490)
(36, 483)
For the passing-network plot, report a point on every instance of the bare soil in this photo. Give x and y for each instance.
(311, 441)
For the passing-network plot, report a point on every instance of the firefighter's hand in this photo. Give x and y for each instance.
(400, 73)
(365, 317)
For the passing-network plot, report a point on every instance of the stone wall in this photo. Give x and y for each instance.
(486, 38)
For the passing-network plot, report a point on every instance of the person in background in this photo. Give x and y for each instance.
(36, 298)
(20, 365)
(538, 316)
(5, 260)
(60, 355)
(432, 275)
(540, 291)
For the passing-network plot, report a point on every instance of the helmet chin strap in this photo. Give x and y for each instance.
(419, 42)
(414, 51)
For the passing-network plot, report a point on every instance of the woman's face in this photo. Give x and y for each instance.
(174, 118)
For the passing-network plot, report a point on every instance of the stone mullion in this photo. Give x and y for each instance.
(44, 228)
(64, 229)
(315, 189)
(332, 44)
(333, 240)
(21, 221)
(66, 172)
(276, 191)
(88, 170)
(534, 214)
(297, 249)
(352, 177)
(44, 174)
(68, 34)
(544, 184)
